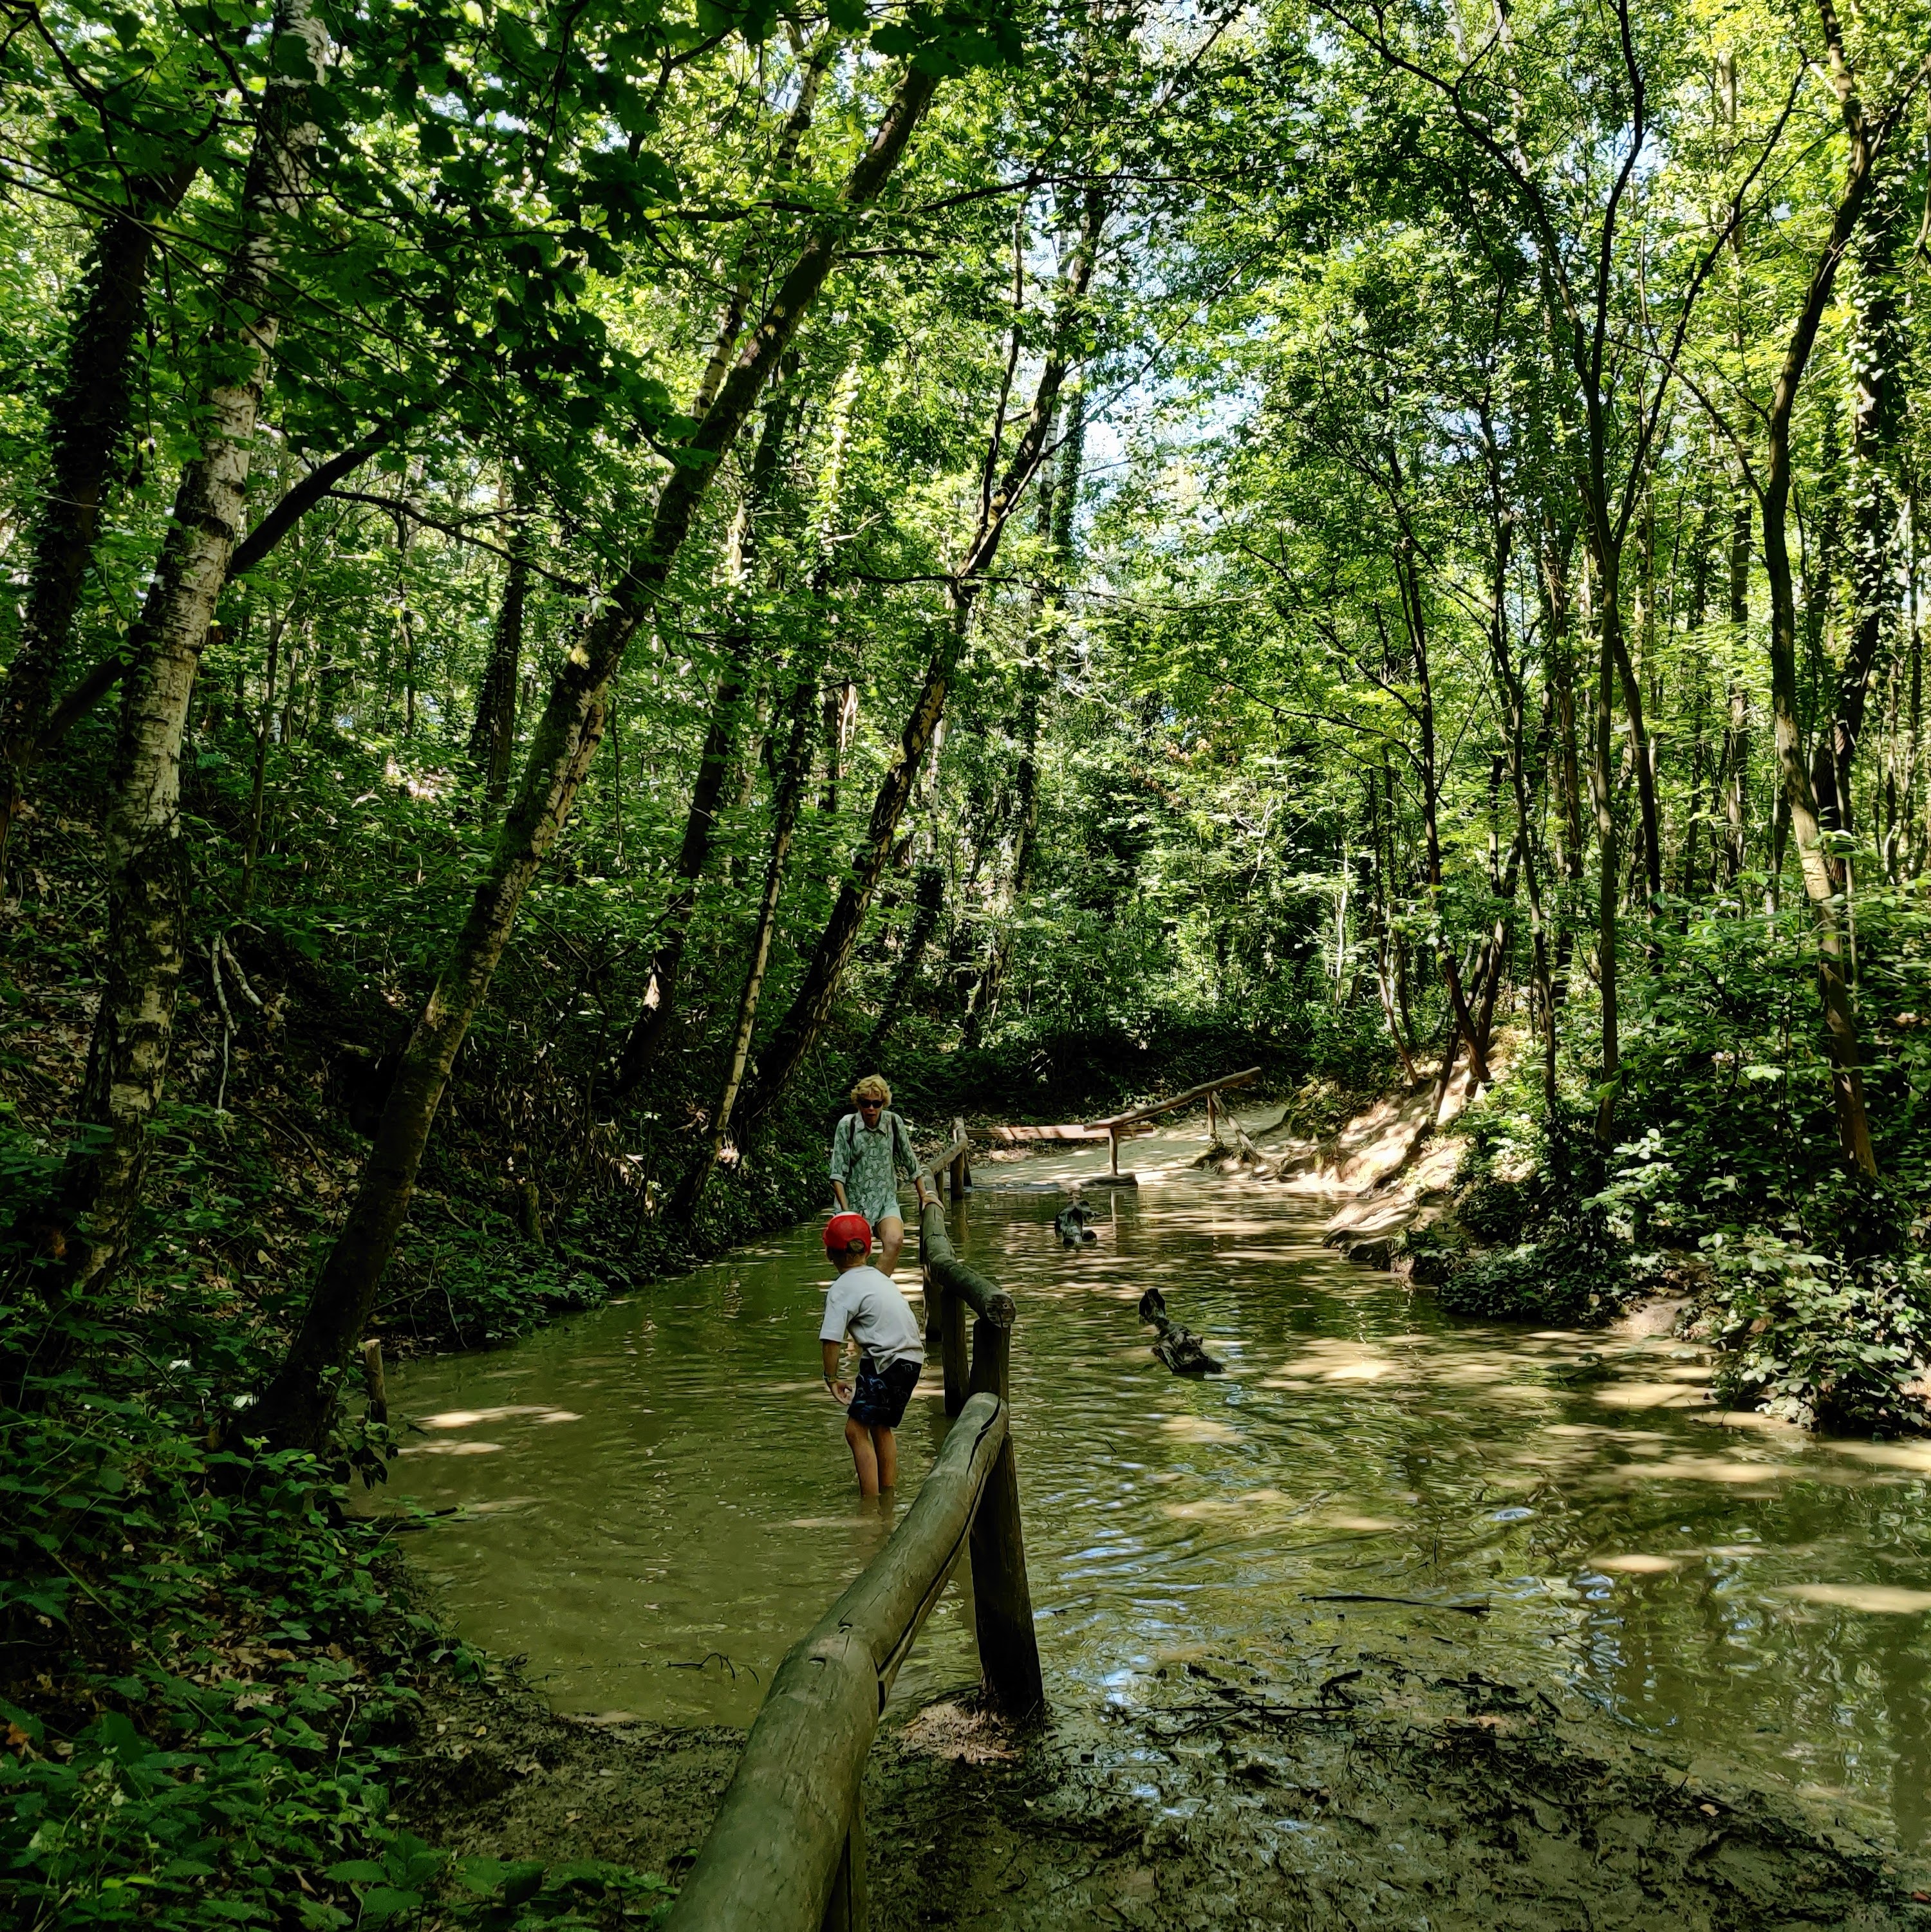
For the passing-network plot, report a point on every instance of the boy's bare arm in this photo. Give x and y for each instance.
(841, 1390)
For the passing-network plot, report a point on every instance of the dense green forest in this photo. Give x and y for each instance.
(578, 575)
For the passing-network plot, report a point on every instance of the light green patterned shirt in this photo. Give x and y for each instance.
(865, 1160)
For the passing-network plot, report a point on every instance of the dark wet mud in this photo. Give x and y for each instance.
(1370, 1791)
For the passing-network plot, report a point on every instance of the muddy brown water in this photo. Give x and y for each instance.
(654, 1501)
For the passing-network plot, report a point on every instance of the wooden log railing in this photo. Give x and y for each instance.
(955, 1156)
(1114, 1126)
(786, 1852)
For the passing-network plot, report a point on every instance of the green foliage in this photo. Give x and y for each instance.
(1828, 1341)
(525, 1896)
(211, 1742)
(1493, 1210)
(1575, 1270)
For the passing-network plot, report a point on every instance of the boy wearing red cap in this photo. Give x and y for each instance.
(864, 1304)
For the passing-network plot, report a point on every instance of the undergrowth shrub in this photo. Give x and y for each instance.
(1822, 1342)
(199, 1717)
(1575, 1270)
(1492, 1211)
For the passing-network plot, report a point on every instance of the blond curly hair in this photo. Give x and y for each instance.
(873, 1086)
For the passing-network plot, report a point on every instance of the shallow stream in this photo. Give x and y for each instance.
(654, 1500)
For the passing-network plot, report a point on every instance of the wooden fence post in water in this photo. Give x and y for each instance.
(1001, 1597)
(952, 1341)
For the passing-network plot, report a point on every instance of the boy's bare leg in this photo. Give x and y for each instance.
(891, 1233)
(885, 1449)
(865, 1457)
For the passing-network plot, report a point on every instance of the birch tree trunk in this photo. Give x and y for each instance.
(100, 1187)
(296, 1408)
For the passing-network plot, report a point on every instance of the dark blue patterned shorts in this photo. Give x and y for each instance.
(879, 1400)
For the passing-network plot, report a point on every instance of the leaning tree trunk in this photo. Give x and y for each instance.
(86, 425)
(652, 1028)
(811, 1006)
(100, 1186)
(296, 1408)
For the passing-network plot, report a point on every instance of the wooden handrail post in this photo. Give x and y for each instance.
(847, 1908)
(1113, 1148)
(952, 1343)
(1001, 1596)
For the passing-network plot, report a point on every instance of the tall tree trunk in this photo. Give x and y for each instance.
(1462, 1021)
(1734, 767)
(929, 901)
(652, 1028)
(1875, 350)
(1058, 495)
(86, 426)
(296, 1408)
(492, 736)
(1847, 1086)
(1387, 967)
(811, 1006)
(787, 802)
(1642, 755)
(100, 1186)
(1602, 786)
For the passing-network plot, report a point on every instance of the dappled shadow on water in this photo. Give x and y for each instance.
(655, 1498)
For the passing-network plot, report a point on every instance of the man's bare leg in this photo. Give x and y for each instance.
(865, 1457)
(885, 1452)
(891, 1233)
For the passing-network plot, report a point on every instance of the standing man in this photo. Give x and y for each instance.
(868, 1148)
(865, 1305)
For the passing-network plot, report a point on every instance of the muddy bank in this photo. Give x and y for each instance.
(1375, 1787)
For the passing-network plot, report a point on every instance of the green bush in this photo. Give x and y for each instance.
(1434, 1252)
(1821, 1340)
(1495, 1211)
(1575, 1272)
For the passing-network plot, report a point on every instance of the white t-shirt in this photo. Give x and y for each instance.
(879, 1318)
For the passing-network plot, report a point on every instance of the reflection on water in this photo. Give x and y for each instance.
(656, 1498)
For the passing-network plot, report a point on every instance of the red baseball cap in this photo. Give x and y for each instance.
(843, 1232)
